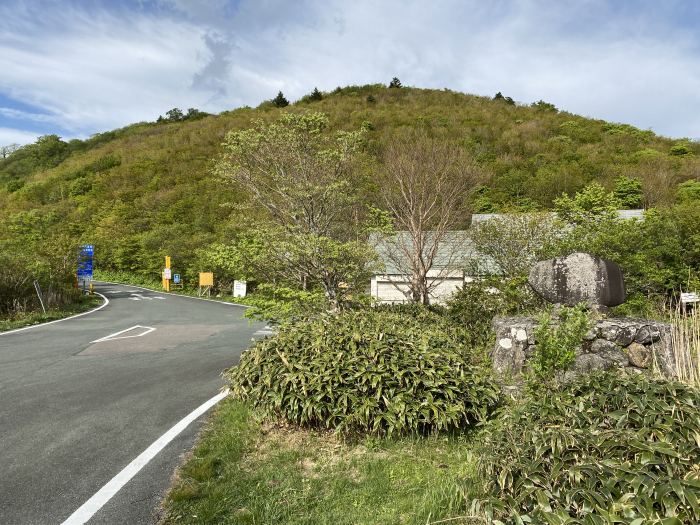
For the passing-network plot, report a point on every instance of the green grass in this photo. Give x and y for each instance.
(242, 472)
(31, 318)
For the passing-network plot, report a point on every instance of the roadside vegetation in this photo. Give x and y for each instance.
(22, 319)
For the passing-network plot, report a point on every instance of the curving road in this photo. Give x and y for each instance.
(81, 398)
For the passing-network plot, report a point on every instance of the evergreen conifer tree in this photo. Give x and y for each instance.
(316, 95)
(395, 83)
(279, 101)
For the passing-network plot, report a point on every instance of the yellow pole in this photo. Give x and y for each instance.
(166, 282)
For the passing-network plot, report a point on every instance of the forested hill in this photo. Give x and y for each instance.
(148, 189)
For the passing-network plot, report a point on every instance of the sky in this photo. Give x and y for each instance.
(76, 68)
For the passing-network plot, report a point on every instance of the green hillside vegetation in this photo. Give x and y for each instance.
(147, 190)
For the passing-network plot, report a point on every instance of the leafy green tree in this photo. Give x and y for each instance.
(688, 191)
(280, 101)
(680, 149)
(541, 105)
(301, 175)
(395, 83)
(592, 204)
(514, 242)
(628, 191)
(175, 114)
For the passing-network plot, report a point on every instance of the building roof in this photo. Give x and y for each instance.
(455, 251)
(623, 214)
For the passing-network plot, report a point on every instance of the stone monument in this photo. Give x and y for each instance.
(632, 344)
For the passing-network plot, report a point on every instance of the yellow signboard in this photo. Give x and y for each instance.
(206, 279)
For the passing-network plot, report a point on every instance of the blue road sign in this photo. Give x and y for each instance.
(176, 278)
(87, 251)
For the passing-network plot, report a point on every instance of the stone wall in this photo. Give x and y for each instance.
(633, 344)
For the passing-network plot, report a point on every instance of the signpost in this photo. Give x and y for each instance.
(167, 274)
(176, 278)
(85, 266)
(206, 281)
(689, 298)
(239, 288)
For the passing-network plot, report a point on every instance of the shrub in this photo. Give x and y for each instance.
(608, 448)
(366, 372)
(557, 341)
(474, 306)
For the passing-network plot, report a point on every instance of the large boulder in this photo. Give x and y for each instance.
(577, 278)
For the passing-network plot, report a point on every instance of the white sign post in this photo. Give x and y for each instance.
(167, 273)
(239, 288)
(689, 297)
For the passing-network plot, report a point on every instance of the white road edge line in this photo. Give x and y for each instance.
(225, 303)
(111, 337)
(88, 509)
(59, 320)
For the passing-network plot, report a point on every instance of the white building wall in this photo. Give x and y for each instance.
(393, 289)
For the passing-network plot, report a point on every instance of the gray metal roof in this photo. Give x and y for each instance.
(455, 251)
(623, 214)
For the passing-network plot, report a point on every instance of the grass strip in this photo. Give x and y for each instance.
(244, 472)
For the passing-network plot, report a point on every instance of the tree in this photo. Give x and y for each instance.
(279, 101)
(301, 175)
(592, 204)
(688, 191)
(315, 95)
(395, 83)
(175, 114)
(194, 113)
(6, 151)
(425, 190)
(628, 192)
(541, 105)
(514, 242)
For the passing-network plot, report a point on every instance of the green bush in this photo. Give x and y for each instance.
(608, 448)
(557, 341)
(474, 306)
(367, 372)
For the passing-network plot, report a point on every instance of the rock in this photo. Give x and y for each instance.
(588, 363)
(579, 277)
(608, 330)
(591, 334)
(663, 352)
(508, 356)
(639, 355)
(647, 334)
(615, 358)
(626, 335)
(600, 346)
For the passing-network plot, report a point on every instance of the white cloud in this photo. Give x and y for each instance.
(96, 69)
(16, 136)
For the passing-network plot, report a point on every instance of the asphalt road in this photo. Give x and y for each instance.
(74, 412)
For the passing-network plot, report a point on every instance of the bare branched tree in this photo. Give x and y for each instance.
(6, 151)
(425, 189)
